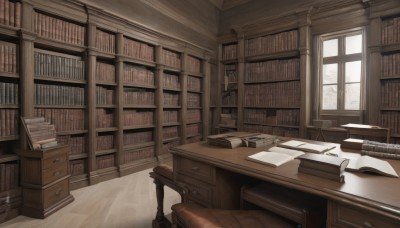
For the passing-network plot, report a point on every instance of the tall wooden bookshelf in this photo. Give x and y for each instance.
(264, 78)
(115, 91)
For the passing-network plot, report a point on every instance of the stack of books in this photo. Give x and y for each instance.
(382, 150)
(324, 166)
(351, 143)
(259, 140)
(225, 140)
(41, 134)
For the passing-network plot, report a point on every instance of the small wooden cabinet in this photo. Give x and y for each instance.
(44, 181)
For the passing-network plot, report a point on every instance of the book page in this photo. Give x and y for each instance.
(314, 147)
(367, 163)
(270, 158)
(292, 143)
(293, 153)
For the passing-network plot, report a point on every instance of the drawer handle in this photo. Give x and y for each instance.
(56, 174)
(195, 168)
(368, 225)
(56, 160)
(58, 192)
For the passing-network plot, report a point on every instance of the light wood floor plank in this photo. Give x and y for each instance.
(129, 201)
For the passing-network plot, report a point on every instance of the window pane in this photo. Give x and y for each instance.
(353, 71)
(329, 97)
(329, 73)
(330, 48)
(352, 97)
(353, 44)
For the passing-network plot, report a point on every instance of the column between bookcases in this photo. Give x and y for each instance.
(91, 115)
(241, 72)
(119, 101)
(159, 103)
(184, 78)
(206, 97)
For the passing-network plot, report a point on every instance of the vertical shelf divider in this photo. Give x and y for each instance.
(184, 96)
(119, 99)
(159, 102)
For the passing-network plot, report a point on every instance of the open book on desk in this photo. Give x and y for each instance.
(370, 164)
(305, 146)
(275, 156)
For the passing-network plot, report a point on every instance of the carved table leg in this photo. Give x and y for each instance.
(158, 221)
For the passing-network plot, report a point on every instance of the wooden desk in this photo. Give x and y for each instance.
(213, 177)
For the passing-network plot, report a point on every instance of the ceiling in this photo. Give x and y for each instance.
(227, 4)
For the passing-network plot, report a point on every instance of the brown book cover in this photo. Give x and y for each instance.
(2, 4)
(12, 13)
(351, 143)
(18, 14)
(324, 162)
(6, 12)
(321, 173)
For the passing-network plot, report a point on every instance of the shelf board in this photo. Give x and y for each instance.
(193, 135)
(273, 81)
(171, 124)
(229, 61)
(228, 106)
(133, 60)
(191, 107)
(390, 47)
(171, 139)
(104, 152)
(195, 74)
(107, 129)
(192, 91)
(271, 56)
(193, 122)
(9, 75)
(172, 89)
(272, 125)
(227, 126)
(8, 158)
(390, 77)
(9, 138)
(9, 30)
(139, 127)
(106, 106)
(55, 79)
(139, 85)
(390, 109)
(55, 45)
(139, 146)
(78, 156)
(9, 106)
(140, 106)
(106, 83)
(104, 55)
(172, 69)
(76, 132)
(172, 107)
(62, 106)
(275, 107)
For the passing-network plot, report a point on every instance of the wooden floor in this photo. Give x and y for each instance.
(129, 201)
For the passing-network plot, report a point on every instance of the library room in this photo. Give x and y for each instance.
(199, 113)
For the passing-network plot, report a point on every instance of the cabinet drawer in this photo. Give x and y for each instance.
(56, 193)
(196, 170)
(55, 173)
(56, 160)
(342, 215)
(197, 191)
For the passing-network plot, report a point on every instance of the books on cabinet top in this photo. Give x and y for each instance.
(41, 134)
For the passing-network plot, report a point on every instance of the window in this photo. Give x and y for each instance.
(341, 73)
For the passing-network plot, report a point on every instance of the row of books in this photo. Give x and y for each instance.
(9, 176)
(230, 98)
(230, 75)
(105, 41)
(58, 29)
(170, 132)
(171, 99)
(390, 93)
(104, 118)
(59, 95)
(63, 119)
(139, 154)
(284, 41)
(9, 93)
(8, 57)
(193, 115)
(49, 64)
(193, 64)
(133, 96)
(170, 116)
(171, 81)
(138, 75)
(138, 118)
(105, 161)
(283, 94)
(194, 84)
(77, 167)
(136, 137)
(167, 146)
(41, 133)
(9, 119)
(139, 50)
(104, 142)
(280, 131)
(193, 100)
(172, 59)
(391, 30)
(273, 70)
(193, 129)
(229, 51)
(194, 139)
(378, 149)
(390, 65)
(76, 142)
(104, 96)
(10, 13)
(105, 72)
(391, 119)
(289, 117)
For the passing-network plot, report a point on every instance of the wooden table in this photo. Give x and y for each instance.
(214, 175)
